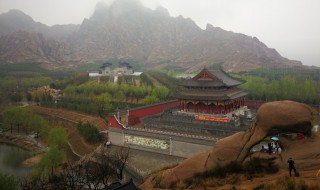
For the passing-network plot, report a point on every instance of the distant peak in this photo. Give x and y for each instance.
(209, 27)
(162, 11)
(17, 14)
(127, 3)
(116, 8)
(101, 5)
(15, 11)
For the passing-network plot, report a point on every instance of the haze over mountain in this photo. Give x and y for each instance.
(128, 30)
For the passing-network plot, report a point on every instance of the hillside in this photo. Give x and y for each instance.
(128, 30)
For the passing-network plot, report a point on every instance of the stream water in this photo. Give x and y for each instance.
(11, 158)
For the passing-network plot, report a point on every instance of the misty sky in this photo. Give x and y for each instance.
(290, 26)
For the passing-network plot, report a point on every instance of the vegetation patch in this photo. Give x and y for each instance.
(281, 84)
(233, 172)
(288, 183)
(89, 132)
(156, 180)
(8, 182)
(31, 68)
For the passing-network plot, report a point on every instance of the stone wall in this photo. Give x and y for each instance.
(160, 142)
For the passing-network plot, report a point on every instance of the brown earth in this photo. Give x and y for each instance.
(274, 117)
(71, 116)
(31, 162)
(78, 144)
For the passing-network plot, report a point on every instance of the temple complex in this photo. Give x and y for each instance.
(212, 93)
(123, 69)
(208, 107)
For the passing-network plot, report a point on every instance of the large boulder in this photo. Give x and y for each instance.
(187, 168)
(272, 118)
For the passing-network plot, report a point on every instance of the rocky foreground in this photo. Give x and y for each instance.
(274, 118)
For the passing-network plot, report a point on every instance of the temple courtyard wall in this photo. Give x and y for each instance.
(169, 143)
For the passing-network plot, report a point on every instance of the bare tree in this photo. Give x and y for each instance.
(39, 183)
(119, 161)
(97, 172)
(71, 177)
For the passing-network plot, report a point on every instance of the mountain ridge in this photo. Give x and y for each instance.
(126, 30)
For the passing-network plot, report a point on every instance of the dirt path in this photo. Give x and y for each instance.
(71, 116)
(77, 143)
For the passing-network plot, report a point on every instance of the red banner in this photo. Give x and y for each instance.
(207, 118)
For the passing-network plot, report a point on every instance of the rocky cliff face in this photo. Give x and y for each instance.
(128, 30)
(22, 46)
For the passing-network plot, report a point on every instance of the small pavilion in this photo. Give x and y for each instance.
(212, 92)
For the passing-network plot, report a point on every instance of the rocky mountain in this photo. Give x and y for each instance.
(15, 20)
(22, 46)
(128, 30)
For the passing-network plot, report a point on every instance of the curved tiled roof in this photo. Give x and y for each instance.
(214, 78)
(227, 79)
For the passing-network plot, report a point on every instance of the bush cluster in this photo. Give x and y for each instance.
(288, 183)
(251, 167)
(89, 132)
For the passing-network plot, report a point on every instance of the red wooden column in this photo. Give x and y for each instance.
(196, 108)
(183, 106)
(227, 106)
(207, 111)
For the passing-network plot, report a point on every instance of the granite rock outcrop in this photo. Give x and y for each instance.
(273, 118)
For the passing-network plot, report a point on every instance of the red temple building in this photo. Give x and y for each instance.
(211, 92)
(209, 103)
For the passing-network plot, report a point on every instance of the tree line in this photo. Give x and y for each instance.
(23, 120)
(284, 88)
(101, 98)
